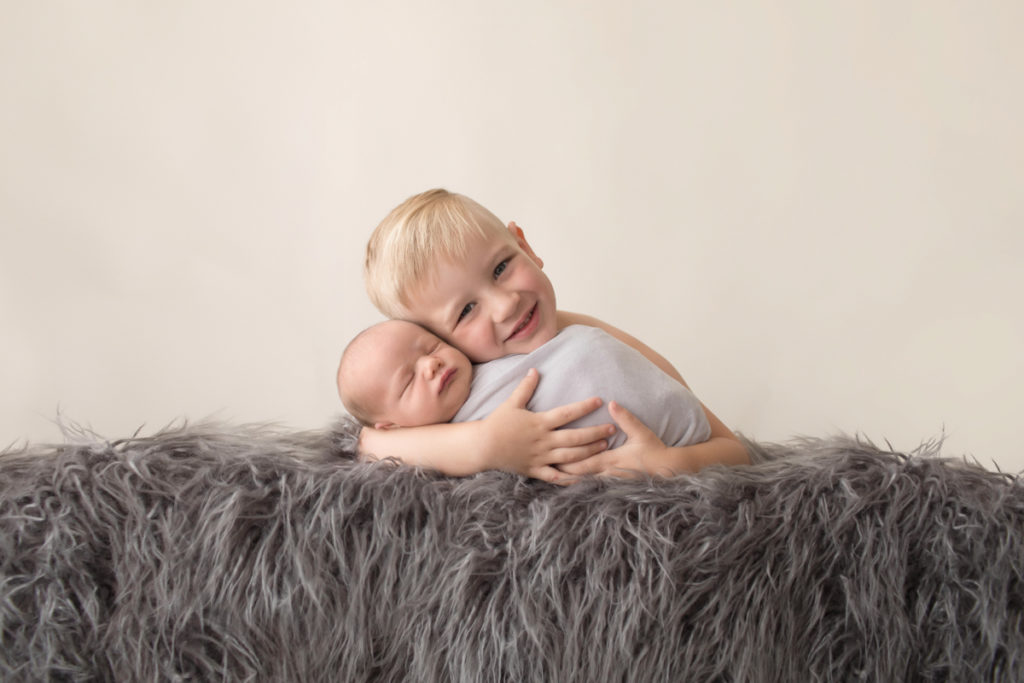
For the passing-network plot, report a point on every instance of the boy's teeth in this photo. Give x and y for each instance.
(528, 318)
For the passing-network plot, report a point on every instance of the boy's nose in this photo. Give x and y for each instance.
(505, 305)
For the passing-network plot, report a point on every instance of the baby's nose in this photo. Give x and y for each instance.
(430, 365)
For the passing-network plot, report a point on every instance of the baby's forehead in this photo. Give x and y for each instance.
(397, 337)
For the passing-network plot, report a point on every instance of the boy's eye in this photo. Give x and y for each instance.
(500, 268)
(465, 311)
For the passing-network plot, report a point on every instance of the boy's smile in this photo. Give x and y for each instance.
(527, 326)
(492, 302)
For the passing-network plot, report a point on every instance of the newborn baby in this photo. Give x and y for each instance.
(398, 374)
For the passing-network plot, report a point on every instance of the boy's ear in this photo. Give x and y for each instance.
(520, 238)
(384, 426)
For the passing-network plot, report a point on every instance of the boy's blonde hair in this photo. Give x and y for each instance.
(422, 231)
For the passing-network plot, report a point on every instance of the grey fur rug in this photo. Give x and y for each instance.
(228, 553)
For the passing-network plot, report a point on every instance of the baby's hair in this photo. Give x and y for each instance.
(418, 233)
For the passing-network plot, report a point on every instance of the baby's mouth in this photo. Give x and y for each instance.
(446, 378)
(523, 323)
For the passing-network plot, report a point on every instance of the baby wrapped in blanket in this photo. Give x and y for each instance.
(398, 374)
(582, 361)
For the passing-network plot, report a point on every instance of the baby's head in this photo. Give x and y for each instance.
(447, 263)
(397, 374)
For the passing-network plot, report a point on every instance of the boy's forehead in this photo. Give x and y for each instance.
(472, 256)
(437, 282)
(433, 288)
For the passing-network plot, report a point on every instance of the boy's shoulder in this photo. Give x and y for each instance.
(566, 318)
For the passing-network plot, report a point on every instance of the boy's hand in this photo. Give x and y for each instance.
(521, 441)
(643, 452)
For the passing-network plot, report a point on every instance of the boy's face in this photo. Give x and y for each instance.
(412, 377)
(495, 302)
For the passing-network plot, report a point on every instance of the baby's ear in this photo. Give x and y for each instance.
(520, 238)
(384, 426)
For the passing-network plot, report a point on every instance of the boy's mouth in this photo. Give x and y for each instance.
(446, 378)
(526, 325)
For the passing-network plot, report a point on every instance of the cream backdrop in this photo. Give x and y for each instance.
(814, 209)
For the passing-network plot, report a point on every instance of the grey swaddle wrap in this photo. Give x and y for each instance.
(581, 362)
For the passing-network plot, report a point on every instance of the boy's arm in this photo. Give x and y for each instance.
(512, 438)
(445, 447)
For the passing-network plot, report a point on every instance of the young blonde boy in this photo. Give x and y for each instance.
(444, 261)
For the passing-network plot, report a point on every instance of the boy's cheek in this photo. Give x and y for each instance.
(475, 345)
(477, 355)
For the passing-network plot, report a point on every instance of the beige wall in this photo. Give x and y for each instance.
(814, 210)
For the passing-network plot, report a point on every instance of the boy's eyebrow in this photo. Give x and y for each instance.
(500, 249)
(449, 311)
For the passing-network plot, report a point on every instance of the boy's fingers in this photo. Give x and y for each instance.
(627, 421)
(551, 475)
(563, 456)
(580, 436)
(572, 411)
(520, 396)
(591, 465)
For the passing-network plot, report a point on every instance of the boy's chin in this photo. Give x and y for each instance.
(532, 344)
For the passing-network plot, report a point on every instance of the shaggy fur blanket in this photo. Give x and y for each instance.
(251, 554)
